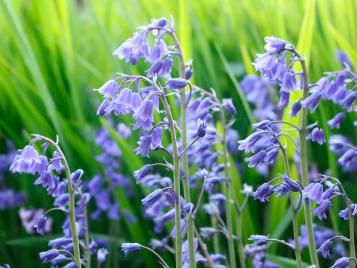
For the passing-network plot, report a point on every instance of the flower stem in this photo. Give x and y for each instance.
(186, 170)
(176, 164)
(240, 241)
(164, 264)
(228, 193)
(294, 215)
(304, 169)
(72, 216)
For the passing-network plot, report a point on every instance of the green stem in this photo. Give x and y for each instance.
(240, 241)
(304, 170)
(158, 256)
(72, 216)
(294, 214)
(86, 237)
(228, 193)
(186, 170)
(176, 173)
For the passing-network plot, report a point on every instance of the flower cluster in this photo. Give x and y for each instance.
(68, 198)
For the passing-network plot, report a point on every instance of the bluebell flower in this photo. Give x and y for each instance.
(60, 242)
(144, 145)
(201, 129)
(153, 197)
(109, 89)
(41, 225)
(208, 232)
(259, 240)
(27, 161)
(335, 122)
(77, 175)
(295, 109)
(316, 135)
(343, 262)
(321, 210)
(343, 58)
(264, 192)
(229, 106)
(176, 83)
(313, 192)
(292, 185)
(271, 155)
(344, 214)
(325, 248)
(156, 137)
(49, 255)
(102, 255)
(256, 159)
(312, 101)
(348, 157)
(141, 173)
(274, 44)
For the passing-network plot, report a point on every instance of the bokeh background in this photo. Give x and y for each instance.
(53, 53)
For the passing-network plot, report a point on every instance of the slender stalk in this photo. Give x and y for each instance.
(164, 264)
(304, 168)
(228, 193)
(204, 248)
(351, 221)
(186, 170)
(86, 237)
(176, 173)
(240, 241)
(294, 215)
(72, 216)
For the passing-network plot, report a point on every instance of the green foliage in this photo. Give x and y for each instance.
(54, 52)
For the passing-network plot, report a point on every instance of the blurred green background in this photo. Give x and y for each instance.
(53, 52)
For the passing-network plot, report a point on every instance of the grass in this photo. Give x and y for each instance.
(54, 52)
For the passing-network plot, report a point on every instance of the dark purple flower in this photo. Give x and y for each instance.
(156, 137)
(201, 129)
(256, 159)
(264, 192)
(292, 185)
(77, 175)
(130, 247)
(316, 135)
(295, 109)
(271, 155)
(141, 173)
(41, 225)
(259, 240)
(176, 83)
(320, 211)
(336, 121)
(49, 255)
(284, 98)
(153, 197)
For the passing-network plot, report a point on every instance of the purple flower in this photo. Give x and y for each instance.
(292, 185)
(130, 247)
(343, 58)
(201, 129)
(336, 121)
(259, 240)
(41, 225)
(156, 137)
(77, 175)
(256, 159)
(343, 262)
(102, 255)
(27, 161)
(274, 45)
(295, 109)
(144, 145)
(348, 157)
(264, 192)
(313, 192)
(208, 232)
(284, 98)
(141, 173)
(317, 135)
(176, 83)
(229, 106)
(109, 89)
(344, 214)
(312, 101)
(153, 197)
(49, 255)
(248, 144)
(325, 248)
(320, 211)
